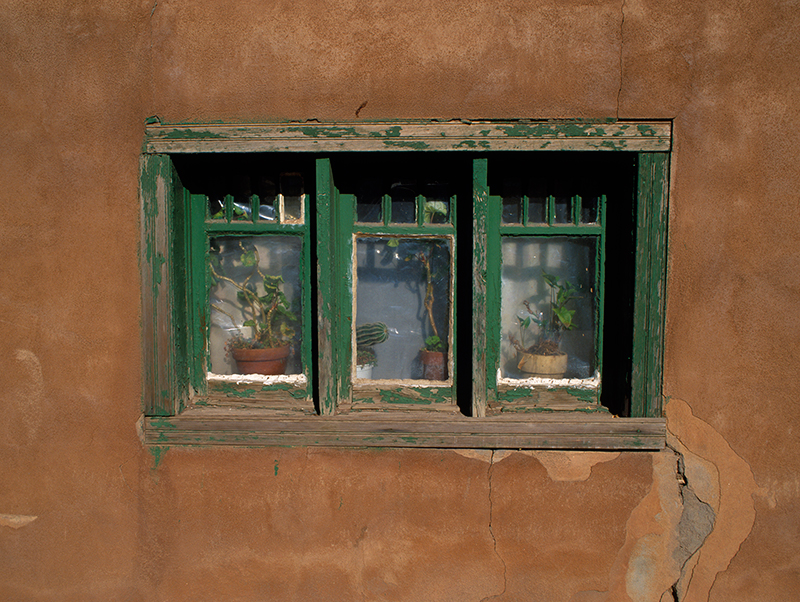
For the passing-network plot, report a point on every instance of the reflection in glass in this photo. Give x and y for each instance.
(254, 299)
(402, 285)
(548, 307)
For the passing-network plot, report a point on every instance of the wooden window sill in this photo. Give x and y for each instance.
(546, 430)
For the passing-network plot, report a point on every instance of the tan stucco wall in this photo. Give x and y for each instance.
(86, 513)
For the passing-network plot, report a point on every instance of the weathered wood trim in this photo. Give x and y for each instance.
(327, 318)
(164, 386)
(453, 135)
(650, 290)
(480, 342)
(549, 431)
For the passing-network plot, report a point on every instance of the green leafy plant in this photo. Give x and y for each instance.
(551, 325)
(434, 343)
(262, 303)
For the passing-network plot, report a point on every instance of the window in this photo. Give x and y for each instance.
(433, 284)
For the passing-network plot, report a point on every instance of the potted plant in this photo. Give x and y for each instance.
(265, 309)
(545, 358)
(367, 336)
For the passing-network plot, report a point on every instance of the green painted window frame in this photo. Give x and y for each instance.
(171, 287)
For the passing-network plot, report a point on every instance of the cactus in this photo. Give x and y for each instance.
(371, 334)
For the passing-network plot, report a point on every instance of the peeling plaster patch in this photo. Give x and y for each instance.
(16, 521)
(735, 515)
(571, 466)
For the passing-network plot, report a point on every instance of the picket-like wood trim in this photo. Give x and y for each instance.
(457, 135)
(549, 431)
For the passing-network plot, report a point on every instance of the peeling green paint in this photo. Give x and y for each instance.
(587, 395)
(409, 144)
(162, 423)
(325, 132)
(400, 397)
(232, 391)
(158, 453)
(190, 134)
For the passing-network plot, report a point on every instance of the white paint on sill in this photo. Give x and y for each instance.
(263, 379)
(550, 383)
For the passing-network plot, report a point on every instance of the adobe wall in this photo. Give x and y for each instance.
(87, 513)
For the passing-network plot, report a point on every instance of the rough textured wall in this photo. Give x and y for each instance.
(87, 514)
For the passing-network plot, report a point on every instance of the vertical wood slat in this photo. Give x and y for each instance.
(328, 381)
(197, 302)
(158, 184)
(659, 179)
(481, 360)
(648, 335)
(334, 297)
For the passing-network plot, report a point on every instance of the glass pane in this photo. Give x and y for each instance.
(266, 209)
(254, 299)
(548, 307)
(241, 208)
(563, 213)
(537, 210)
(589, 210)
(404, 204)
(216, 207)
(267, 197)
(436, 204)
(292, 194)
(368, 208)
(511, 192)
(402, 289)
(511, 209)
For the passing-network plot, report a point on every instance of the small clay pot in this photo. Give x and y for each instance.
(261, 361)
(434, 366)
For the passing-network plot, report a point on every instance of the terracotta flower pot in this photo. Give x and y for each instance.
(261, 361)
(543, 366)
(433, 365)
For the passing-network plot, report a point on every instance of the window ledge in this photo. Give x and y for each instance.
(548, 430)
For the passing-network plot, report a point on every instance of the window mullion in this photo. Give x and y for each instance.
(485, 290)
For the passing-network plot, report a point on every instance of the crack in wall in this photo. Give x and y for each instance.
(695, 525)
(492, 535)
(621, 43)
